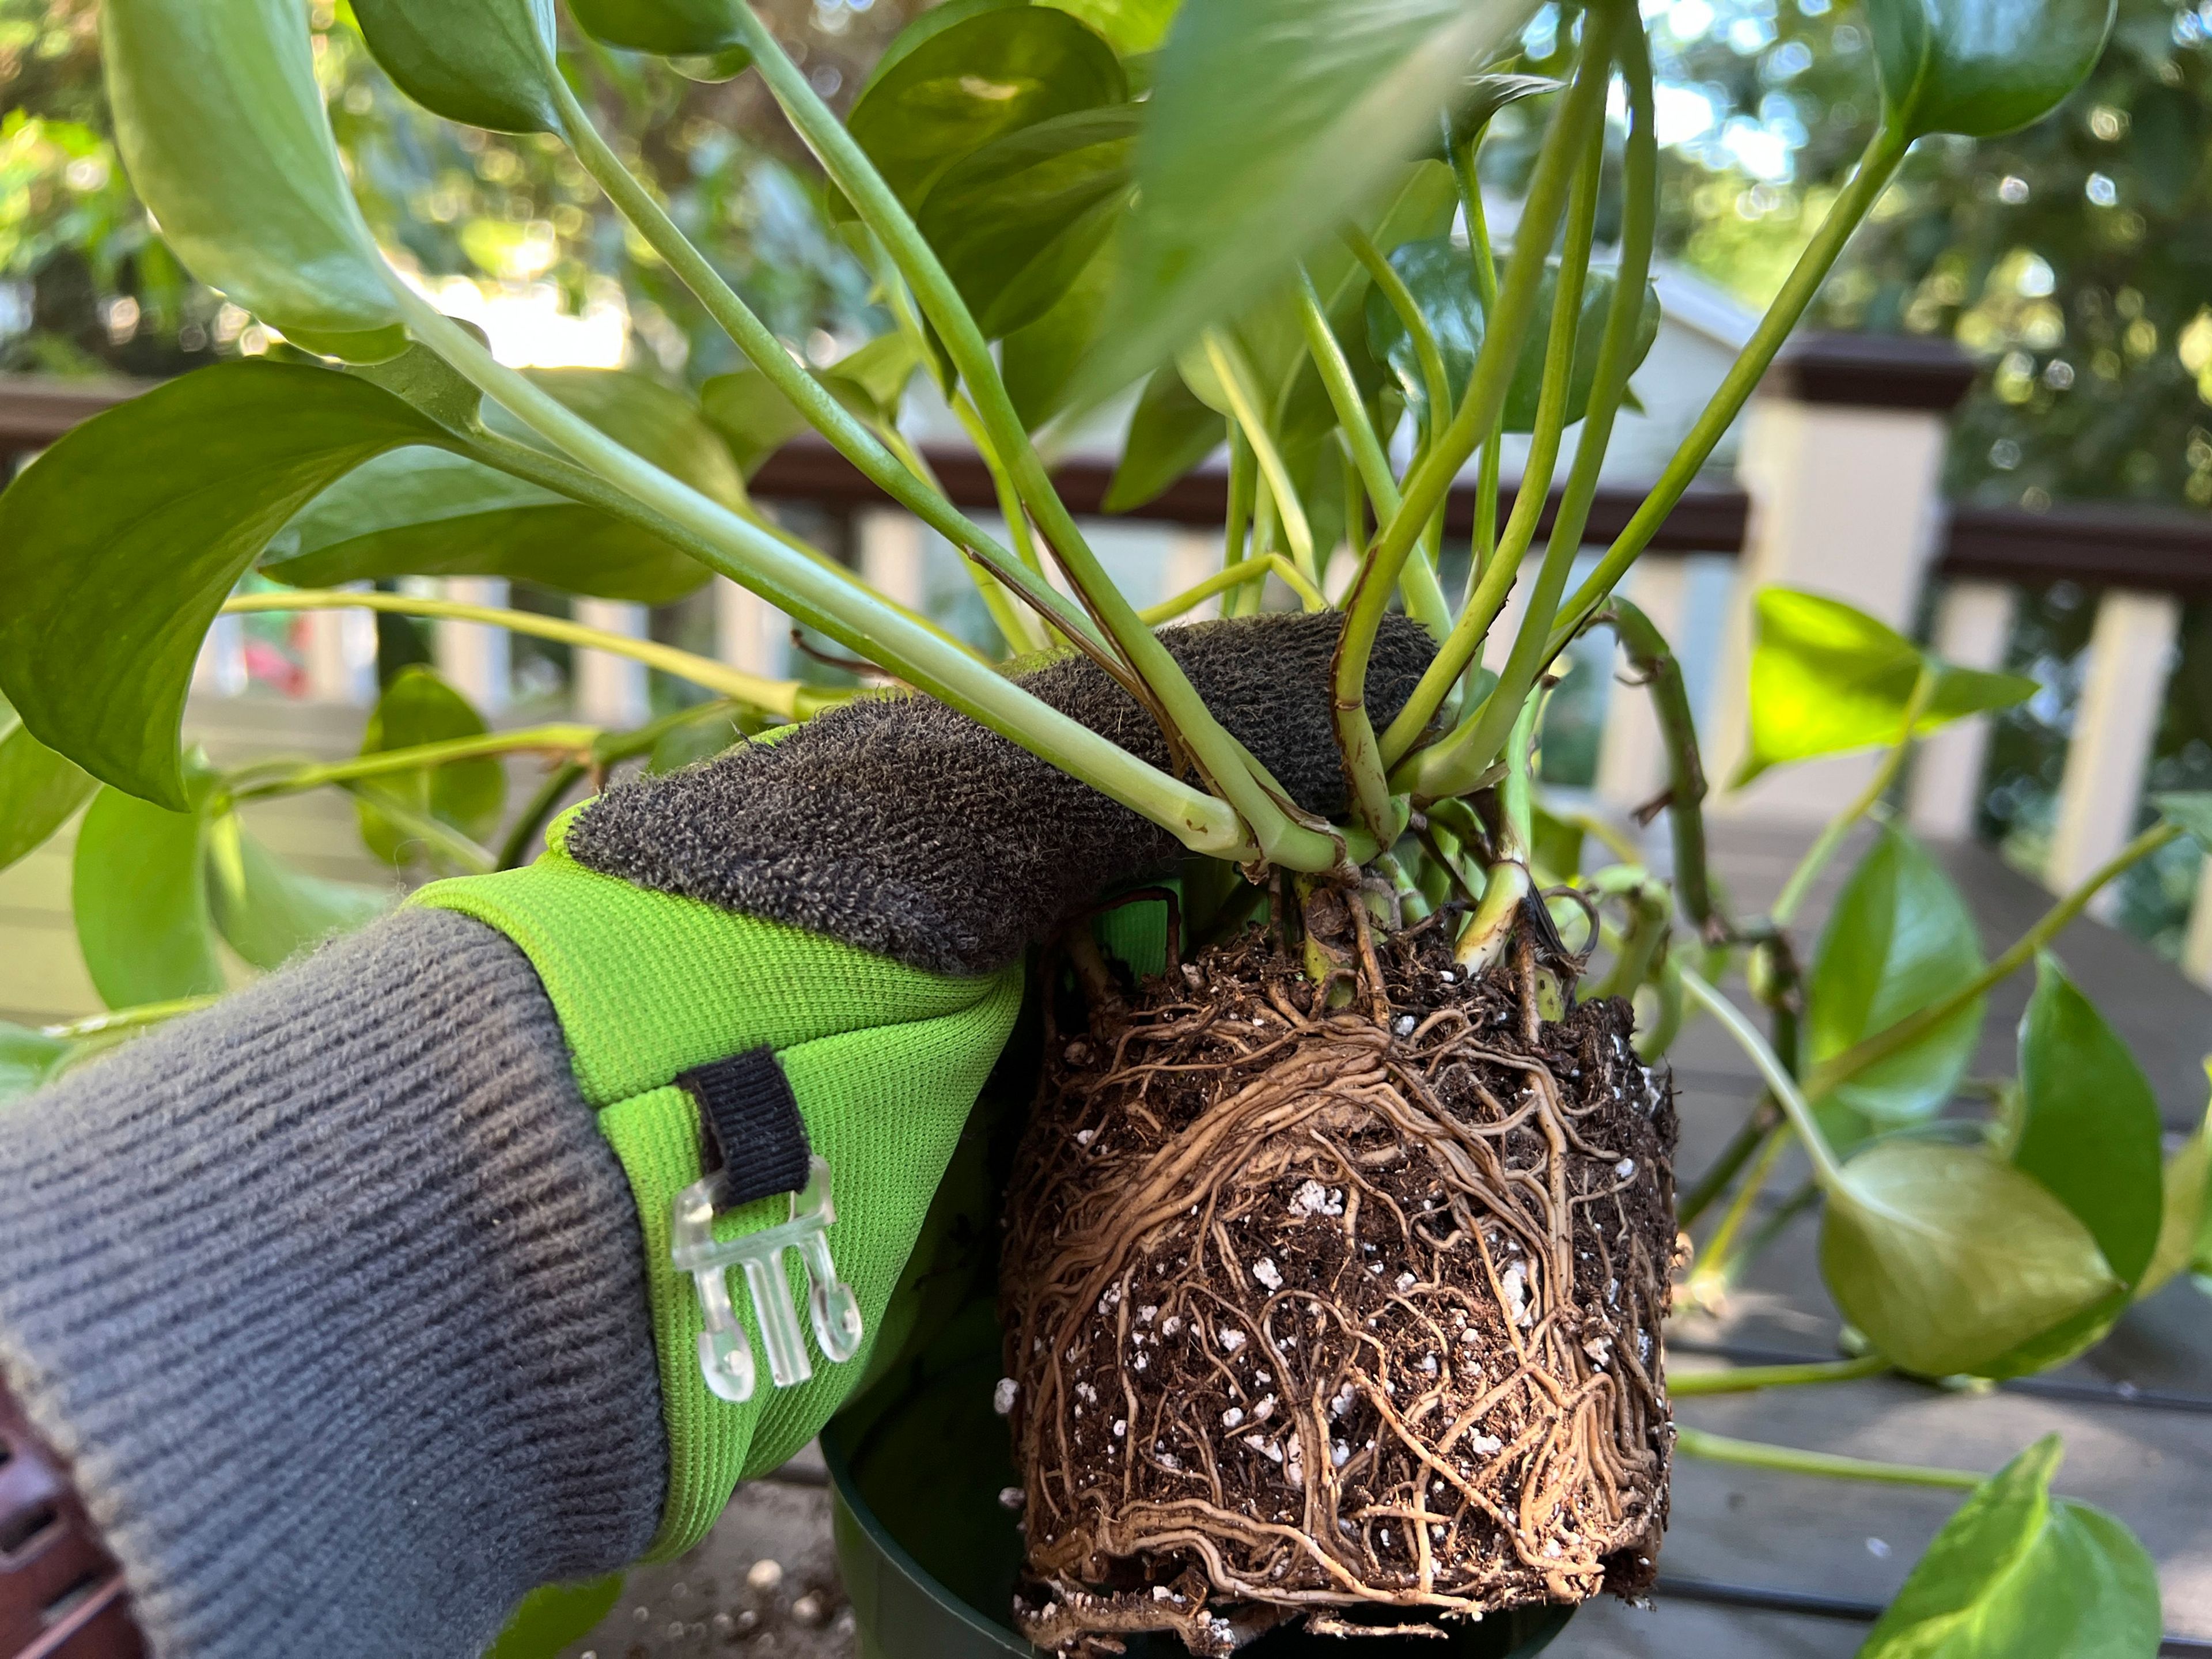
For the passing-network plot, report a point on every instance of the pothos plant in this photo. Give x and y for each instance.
(1358, 1318)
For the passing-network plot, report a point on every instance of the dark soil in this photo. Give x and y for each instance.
(1282, 1312)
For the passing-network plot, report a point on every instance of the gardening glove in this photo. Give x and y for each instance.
(351, 1303)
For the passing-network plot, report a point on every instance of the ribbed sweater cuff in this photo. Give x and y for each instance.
(333, 1297)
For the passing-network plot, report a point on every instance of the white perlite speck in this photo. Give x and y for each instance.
(1002, 1397)
(1267, 1272)
(1231, 1339)
(1625, 1167)
(1232, 1416)
(1012, 1498)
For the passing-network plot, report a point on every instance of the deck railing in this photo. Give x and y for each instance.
(1835, 489)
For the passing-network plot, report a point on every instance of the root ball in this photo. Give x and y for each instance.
(1329, 1314)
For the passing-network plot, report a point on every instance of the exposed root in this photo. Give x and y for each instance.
(1310, 1311)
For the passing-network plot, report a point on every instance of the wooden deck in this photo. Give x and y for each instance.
(1756, 1563)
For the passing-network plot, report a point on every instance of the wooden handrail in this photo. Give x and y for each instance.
(2094, 543)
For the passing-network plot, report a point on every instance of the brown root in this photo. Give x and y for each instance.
(1311, 1310)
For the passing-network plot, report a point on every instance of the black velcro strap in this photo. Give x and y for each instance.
(752, 1121)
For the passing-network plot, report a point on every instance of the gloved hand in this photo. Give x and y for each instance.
(350, 1302)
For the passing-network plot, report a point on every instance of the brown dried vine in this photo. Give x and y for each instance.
(1332, 1313)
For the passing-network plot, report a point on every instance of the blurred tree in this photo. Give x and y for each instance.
(2074, 259)
(86, 284)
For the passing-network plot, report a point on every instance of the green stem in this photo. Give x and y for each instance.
(1281, 839)
(516, 849)
(1384, 275)
(1484, 542)
(1712, 1268)
(1826, 1168)
(1455, 763)
(1883, 154)
(809, 396)
(1245, 570)
(433, 832)
(1888, 1041)
(787, 698)
(1745, 1379)
(1508, 884)
(1367, 454)
(128, 1019)
(1649, 655)
(855, 617)
(383, 763)
(1832, 835)
(1235, 377)
(1758, 1124)
(1244, 488)
(1754, 1453)
(1506, 326)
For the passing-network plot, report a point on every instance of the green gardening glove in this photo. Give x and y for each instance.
(812, 950)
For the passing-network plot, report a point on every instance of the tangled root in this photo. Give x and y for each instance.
(1328, 1314)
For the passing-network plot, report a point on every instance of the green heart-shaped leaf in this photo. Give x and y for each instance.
(2185, 1227)
(140, 903)
(653, 421)
(956, 86)
(119, 544)
(418, 708)
(1440, 275)
(1826, 678)
(38, 790)
(1040, 361)
(221, 126)
(674, 29)
(555, 1616)
(421, 512)
(1982, 66)
(1132, 26)
(2089, 1126)
(1947, 1258)
(750, 415)
(1272, 122)
(27, 1058)
(2018, 1574)
(480, 62)
(1017, 221)
(1171, 432)
(2192, 812)
(1898, 939)
(269, 912)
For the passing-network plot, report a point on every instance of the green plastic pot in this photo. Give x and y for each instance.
(929, 1555)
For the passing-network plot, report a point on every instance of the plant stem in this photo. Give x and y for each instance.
(1760, 1122)
(1245, 570)
(1453, 764)
(1235, 377)
(1831, 835)
(555, 739)
(1887, 1042)
(1712, 1270)
(1507, 885)
(1344, 398)
(1384, 275)
(1825, 1167)
(1485, 540)
(1754, 1453)
(1183, 713)
(809, 396)
(1744, 1379)
(1649, 655)
(128, 1019)
(1507, 322)
(853, 617)
(1883, 154)
(787, 698)
(516, 848)
(1502, 568)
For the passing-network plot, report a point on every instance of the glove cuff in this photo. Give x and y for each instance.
(884, 1061)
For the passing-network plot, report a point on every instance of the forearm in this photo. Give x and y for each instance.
(333, 1298)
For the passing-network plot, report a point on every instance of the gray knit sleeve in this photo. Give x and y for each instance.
(334, 1297)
